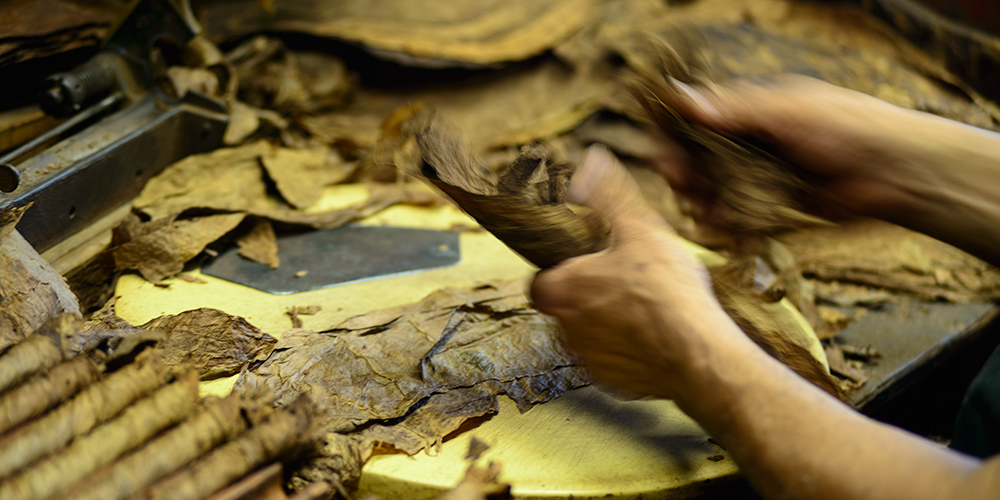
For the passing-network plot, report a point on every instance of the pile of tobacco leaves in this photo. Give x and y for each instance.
(492, 103)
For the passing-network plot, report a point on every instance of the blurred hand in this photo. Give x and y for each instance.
(641, 312)
(864, 155)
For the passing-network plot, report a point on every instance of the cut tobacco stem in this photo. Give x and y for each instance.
(282, 433)
(95, 404)
(32, 355)
(216, 422)
(45, 391)
(137, 424)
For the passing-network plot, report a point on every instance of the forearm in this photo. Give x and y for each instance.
(950, 178)
(794, 441)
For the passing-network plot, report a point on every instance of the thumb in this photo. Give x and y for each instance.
(603, 184)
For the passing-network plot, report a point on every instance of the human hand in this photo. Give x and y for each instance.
(862, 155)
(640, 312)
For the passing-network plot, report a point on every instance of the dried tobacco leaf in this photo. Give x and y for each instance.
(535, 100)
(434, 33)
(274, 77)
(523, 206)
(213, 342)
(38, 28)
(228, 179)
(260, 244)
(885, 256)
(438, 362)
(216, 343)
(300, 174)
(163, 252)
(31, 291)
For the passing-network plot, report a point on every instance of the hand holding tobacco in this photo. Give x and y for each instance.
(642, 311)
(858, 156)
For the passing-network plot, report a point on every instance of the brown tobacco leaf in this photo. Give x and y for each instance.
(434, 33)
(260, 244)
(409, 375)
(758, 191)
(778, 338)
(228, 179)
(38, 28)
(163, 252)
(215, 343)
(274, 77)
(300, 174)
(879, 254)
(523, 206)
(535, 100)
(31, 291)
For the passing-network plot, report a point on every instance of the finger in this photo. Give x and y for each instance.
(603, 184)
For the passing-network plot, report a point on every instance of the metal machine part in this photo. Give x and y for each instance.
(342, 255)
(65, 94)
(85, 176)
(10, 176)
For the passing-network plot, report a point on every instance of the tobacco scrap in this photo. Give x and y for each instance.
(260, 244)
(300, 174)
(228, 179)
(407, 376)
(136, 424)
(294, 312)
(434, 34)
(97, 403)
(31, 291)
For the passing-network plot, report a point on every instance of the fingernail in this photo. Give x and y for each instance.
(597, 159)
(697, 98)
